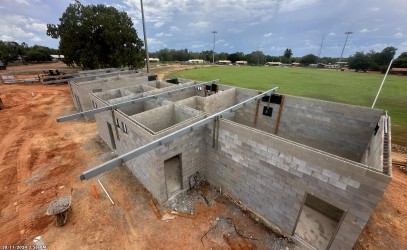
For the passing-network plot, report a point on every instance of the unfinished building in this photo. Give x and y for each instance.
(84, 84)
(312, 169)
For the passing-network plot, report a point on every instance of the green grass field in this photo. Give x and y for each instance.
(345, 87)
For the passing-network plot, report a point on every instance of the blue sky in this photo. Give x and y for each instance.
(242, 25)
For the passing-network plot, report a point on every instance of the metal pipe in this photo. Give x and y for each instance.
(126, 103)
(213, 52)
(145, 37)
(340, 59)
(106, 192)
(154, 144)
(381, 85)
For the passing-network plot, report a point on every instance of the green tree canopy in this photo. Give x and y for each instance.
(256, 57)
(309, 59)
(96, 36)
(288, 53)
(401, 61)
(359, 61)
(238, 56)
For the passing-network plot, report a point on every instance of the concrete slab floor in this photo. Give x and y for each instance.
(172, 169)
(315, 228)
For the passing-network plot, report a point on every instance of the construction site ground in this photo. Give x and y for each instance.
(41, 159)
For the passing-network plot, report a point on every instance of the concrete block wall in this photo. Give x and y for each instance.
(82, 89)
(271, 176)
(157, 119)
(192, 149)
(373, 155)
(143, 106)
(165, 117)
(220, 101)
(340, 129)
(247, 115)
(146, 167)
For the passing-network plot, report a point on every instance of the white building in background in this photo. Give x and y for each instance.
(196, 61)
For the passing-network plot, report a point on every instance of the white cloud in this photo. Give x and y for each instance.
(374, 9)
(19, 28)
(268, 34)
(162, 34)
(332, 34)
(22, 2)
(399, 35)
(174, 28)
(365, 30)
(158, 24)
(293, 5)
(36, 39)
(199, 25)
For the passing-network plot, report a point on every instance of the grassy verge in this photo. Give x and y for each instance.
(345, 87)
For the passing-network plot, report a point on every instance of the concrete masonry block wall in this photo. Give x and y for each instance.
(143, 106)
(157, 119)
(220, 101)
(246, 115)
(144, 167)
(271, 175)
(125, 98)
(373, 155)
(340, 129)
(192, 149)
(83, 90)
(159, 84)
(195, 102)
(183, 113)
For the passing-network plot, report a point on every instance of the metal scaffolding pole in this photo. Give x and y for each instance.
(145, 37)
(126, 103)
(152, 145)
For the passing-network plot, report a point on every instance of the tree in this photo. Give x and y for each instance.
(256, 57)
(238, 56)
(359, 61)
(9, 52)
(380, 60)
(401, 61)
(287, 54)
(96, 36)
(309, 59)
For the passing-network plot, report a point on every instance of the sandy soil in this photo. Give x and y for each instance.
(40, 157)
(37, 68)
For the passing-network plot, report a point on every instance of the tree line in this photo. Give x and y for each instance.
(13, 51)
(97, 36)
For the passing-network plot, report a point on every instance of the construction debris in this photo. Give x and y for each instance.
(153, 203)
(185, 215)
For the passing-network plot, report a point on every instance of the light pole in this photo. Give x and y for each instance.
(145, 38)
(213, 52)
(340, 59)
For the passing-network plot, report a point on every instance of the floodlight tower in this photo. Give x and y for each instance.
(145, 37)
(347, 35)
(213, 52)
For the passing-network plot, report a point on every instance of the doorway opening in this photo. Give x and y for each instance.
(172, 170)
(318, 222)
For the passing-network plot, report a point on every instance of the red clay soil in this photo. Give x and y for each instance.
(40, 157)
(386, 228)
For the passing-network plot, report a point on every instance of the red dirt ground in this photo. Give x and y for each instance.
(40, 157)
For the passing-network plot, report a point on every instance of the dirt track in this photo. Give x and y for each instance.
(39, 157)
